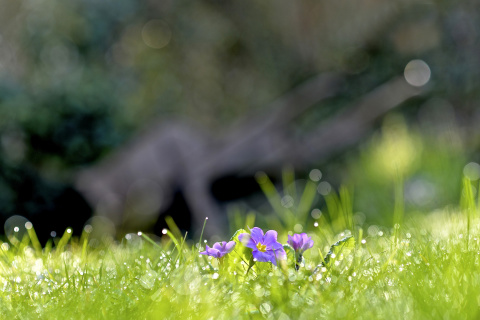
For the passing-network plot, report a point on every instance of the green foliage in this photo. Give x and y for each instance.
(430, 274)
(337, 250)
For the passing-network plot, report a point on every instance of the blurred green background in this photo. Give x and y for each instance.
(80, 78)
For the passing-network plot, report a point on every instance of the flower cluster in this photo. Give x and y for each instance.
(265, 246)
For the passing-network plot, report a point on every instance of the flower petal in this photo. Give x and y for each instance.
(212, 252)
(266, 256)
(308, 243)
(219, 245)
(229, 246)
(276, 246)
(206, 249)
(247, 240)
(257, 234)
(280, 254)
(270, 238)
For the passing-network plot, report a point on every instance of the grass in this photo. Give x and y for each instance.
(426, 268)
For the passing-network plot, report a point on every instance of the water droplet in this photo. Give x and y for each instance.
(364, 241)
(139, 233)
(28, 225)
(265, 308)
(88, 228)
(315, 224)
(16, 229)
(164, 231)
(215, 276)
(53, 234)
(69, 230)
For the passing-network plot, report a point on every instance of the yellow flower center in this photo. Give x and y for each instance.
(261, 247)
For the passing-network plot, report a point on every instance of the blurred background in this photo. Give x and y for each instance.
(139, 110)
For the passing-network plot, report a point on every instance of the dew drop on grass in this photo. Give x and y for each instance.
(16, 229)
(28, 225)
(259, 291)
(215, 276)
(139, 233)
(164, 231)
(265, 308)
(315, 224)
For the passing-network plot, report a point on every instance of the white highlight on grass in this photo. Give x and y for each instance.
(164, 231)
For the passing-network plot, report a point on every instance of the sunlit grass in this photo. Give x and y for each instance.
(431, 272)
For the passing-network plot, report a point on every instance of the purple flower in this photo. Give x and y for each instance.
(300, 242)
(219, 249)
(266, 248)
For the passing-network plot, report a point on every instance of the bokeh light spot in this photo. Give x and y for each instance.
(156, 34)
(324, 188)
(298, 228)
(315, 175)
(417, 73)
(316, 213)
(472, 171)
